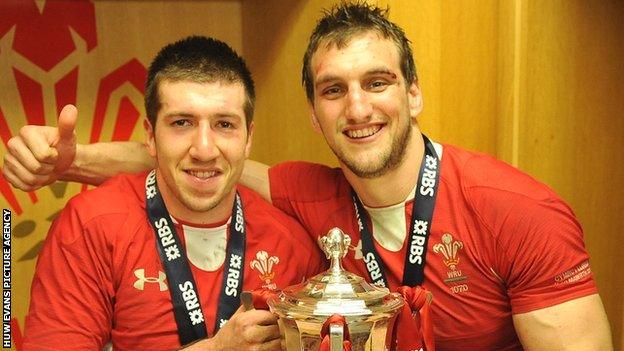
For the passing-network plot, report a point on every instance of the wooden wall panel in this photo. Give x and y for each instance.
(572, 123)
(275, 36)
(468, 75)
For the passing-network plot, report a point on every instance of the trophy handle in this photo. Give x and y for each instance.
(336, 336)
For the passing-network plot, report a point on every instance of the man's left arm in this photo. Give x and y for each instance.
(579, 324)
(541, 256)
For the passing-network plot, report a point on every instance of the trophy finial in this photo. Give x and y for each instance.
(335, 245)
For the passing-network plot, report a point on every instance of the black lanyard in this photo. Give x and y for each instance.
(422, 214)
(184, 296)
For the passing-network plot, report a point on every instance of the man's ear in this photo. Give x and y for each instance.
(415, 100)
(315, 123)
(249, 140)
(150, 142)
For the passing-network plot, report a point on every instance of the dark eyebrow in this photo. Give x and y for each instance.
(371, 72)
(383, 71)
(326, 79)
(178, 114)
(190, 115)
(228, 115)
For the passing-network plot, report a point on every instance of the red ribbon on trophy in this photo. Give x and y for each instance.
(413, 329)
(259, 297)
(335, 319)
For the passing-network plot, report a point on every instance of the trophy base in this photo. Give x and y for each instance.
(301, 335)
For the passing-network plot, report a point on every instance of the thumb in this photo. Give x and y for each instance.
(67, 122)
(241, 309)
(65, 144)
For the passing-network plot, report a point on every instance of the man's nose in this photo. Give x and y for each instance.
(358, 107)
(203, 147)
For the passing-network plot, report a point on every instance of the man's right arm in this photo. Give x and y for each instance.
(40, 155)
(95, 163)
(256, 177)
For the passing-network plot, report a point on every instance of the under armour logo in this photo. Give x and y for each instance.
(142, 279)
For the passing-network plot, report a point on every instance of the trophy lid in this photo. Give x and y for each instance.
(335, 290)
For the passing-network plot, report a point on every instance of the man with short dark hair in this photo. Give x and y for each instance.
(160, 259)
(502, 254)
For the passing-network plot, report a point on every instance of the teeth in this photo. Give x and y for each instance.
(202, 175)
(362, 133)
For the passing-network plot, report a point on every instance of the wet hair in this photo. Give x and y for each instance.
(197, 59)
(342, 23)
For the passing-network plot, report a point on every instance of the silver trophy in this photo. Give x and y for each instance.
(336, 306)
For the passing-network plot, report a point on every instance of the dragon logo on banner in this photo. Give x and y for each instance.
(49, 57)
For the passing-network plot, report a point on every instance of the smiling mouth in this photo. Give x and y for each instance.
(362, 133)
(203, 175)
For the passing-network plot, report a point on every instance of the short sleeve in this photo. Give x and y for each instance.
(539, 251)
(71, 295)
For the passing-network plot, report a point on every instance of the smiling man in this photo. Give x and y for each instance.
(502, 254)
(158, 260)
(199, 160)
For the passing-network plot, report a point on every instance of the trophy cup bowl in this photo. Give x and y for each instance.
(368, 310)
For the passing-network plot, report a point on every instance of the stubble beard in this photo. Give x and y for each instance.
(192, 201)
(389, 159)
(198, 203)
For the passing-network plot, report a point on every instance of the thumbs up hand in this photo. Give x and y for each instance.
(39, 155)
(65, 142)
